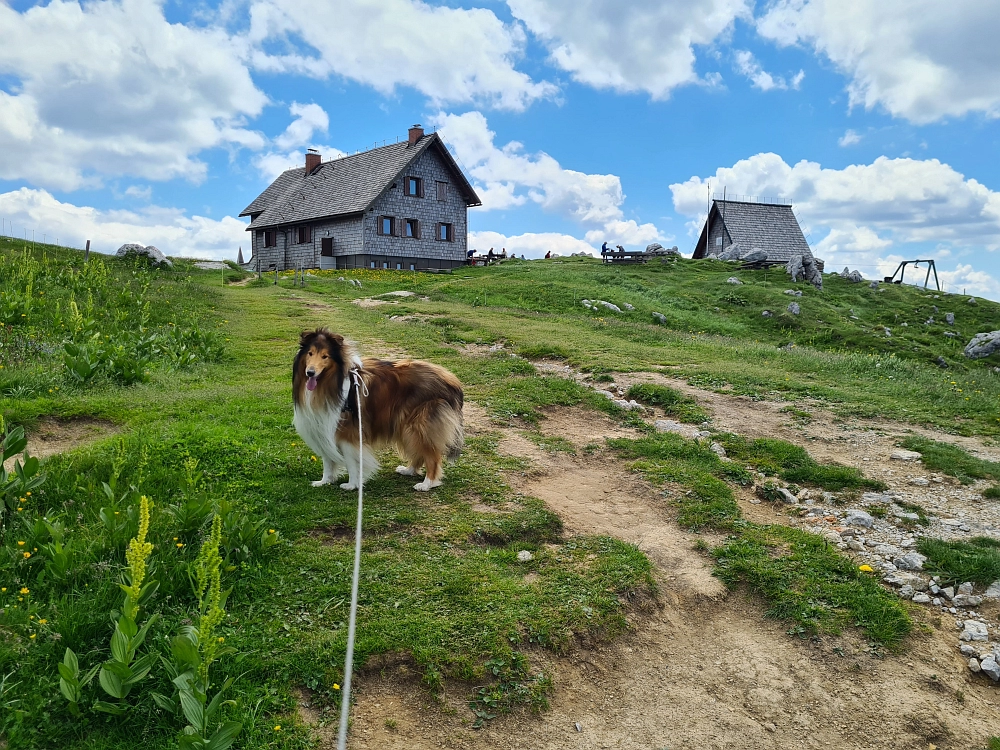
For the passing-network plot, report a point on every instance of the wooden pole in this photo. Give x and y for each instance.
(86, 252)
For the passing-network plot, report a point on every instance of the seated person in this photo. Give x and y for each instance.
(620, 248)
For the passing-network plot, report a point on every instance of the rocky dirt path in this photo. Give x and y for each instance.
(702, 668)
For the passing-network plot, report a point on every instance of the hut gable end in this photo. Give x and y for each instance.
(771, 227)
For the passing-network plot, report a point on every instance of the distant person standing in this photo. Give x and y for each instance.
(604, 249)
(548, 254)
(489, 255)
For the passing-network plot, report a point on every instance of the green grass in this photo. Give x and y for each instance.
(799, 575)
(551, 443)
(951, 460)
(793, 464)
(672, 401)
(977, 560)
(992, 492)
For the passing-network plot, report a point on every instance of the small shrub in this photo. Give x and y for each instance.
(977, 560)
(951, 460)
(992, 493)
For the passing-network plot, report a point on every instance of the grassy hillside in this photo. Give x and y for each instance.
(195, 376)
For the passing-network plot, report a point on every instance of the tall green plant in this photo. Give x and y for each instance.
(15, 488)
(195, 649)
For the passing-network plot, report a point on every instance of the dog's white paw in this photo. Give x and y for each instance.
(320, 482)
(406, 471)
(426, 485)
(348, 486)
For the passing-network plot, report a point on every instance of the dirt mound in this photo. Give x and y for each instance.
(51, 436)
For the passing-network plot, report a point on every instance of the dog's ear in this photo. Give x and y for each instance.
(306, 337)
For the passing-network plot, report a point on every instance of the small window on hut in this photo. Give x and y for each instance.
(442, 191)
(270, 238)
(415, 187)
(446, 232)
(413, 228)
(385, 224)
(304, 234)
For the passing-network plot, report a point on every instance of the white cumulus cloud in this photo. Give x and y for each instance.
(747, 65)
(169, 229)
(507, 176)
(112, 88)
(451, 55)
(529, 244)
(919, 59)
(642, 45)
(849, 138)
(288, 149)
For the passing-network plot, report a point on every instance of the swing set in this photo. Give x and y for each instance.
(901, 269)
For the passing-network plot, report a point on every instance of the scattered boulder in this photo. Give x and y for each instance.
(806, 268)
(888, 332)
(525, 556)
(967, 600)
(983, 345)
(669, 425)
(718, 450)
(971, 301)
(873, 285)
(942, 362)
(755, 256)
(990, 668)
(974, 665)
(910, 561)
(921, 599)
(628, 307)
(734, 280)
(793, 292)
(993, 592)
(660, 318)
(904, 455)
(151, 253)
(608, 305)
(857, 517)
(919, 481)
(654, 247)
(767, 314)
(793, 308)
(949, 318)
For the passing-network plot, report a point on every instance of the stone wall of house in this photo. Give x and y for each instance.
(428, 211)
(288, 254)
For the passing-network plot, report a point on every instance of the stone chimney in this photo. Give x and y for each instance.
(416, 133)
(313, 160)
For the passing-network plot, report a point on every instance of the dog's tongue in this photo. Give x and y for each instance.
(311, 383)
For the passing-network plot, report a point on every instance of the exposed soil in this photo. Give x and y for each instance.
(704, 668)
(51, 436)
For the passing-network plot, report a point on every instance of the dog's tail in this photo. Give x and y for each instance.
(457, 441)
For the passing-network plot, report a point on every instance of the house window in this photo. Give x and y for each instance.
(373, 264)
(303, 234)
(442, 191)
(386, 224)
(326, 247)
(718, 242)
(385, 265)
(399, 266)
(270, 238)
(415, 187)
(412, 267)
(413, 228)
(446, 232)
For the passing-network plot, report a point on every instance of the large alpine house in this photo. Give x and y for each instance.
(402, 206)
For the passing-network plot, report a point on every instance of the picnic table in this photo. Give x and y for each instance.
(637, 256)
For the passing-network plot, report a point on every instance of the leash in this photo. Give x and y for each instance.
(345, 701)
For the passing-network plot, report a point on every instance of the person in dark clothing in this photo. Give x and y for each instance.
(620, 248)
(471, 252)
(604, 249)
(548, 254)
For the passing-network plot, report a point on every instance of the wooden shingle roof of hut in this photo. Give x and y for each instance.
(771, 227)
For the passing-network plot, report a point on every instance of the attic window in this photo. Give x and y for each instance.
(718, 242)
(414, 186)
(442, 190)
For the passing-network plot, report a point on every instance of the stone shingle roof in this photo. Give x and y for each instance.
(769, 226)
(343, 186)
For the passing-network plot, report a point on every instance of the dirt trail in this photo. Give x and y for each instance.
(703, 668)
(51, 436)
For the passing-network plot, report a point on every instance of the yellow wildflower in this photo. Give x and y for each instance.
(32, 636)
(43, 621)
(336, 686)
(277, 727)
(27, 555)
(20, 544)
(866, 568)
(25, 591)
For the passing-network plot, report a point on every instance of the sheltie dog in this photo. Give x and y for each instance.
(412, 405)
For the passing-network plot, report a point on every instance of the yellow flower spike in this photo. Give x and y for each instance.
(136, 553)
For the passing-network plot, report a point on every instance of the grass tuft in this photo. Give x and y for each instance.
(672, 401)
(951, 460)
(977, 560)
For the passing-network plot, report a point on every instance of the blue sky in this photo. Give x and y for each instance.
(577, 120)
